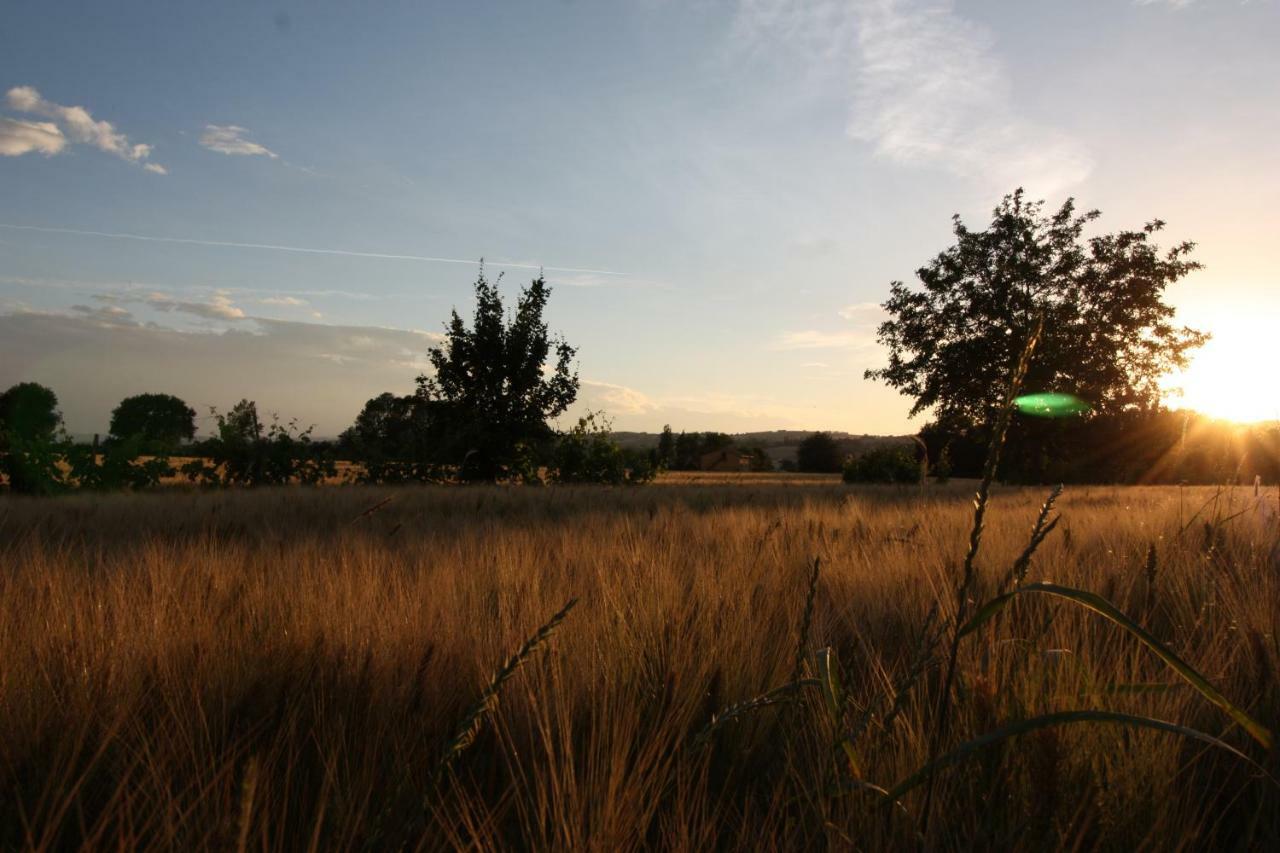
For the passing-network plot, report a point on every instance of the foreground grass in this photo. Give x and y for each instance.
(278, 669)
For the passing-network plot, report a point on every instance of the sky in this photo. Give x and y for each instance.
(284, 202)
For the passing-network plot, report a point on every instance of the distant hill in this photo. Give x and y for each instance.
(780, 444)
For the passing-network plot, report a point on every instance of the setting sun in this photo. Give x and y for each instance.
(1228, 378)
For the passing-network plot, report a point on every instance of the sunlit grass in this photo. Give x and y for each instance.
(193, 669)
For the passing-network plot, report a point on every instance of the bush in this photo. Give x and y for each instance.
(242, 453)
(117, 467)
(883, 465)
(588, 454)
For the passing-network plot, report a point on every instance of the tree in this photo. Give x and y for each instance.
(159, 422)
(30, 440)
(1108, 334)
(688, 449)
(493, 381)
(29, 410)
(395, 439)
(666, 452)
(819, 454)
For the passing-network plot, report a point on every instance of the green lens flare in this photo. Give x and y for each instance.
(1051, 405)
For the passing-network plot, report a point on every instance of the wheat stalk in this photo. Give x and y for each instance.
(488, 701)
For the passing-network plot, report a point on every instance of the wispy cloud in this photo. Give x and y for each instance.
(816, 339)
(926, 86)
(19, 137)
(232, 139)
(862, 312)
(290, 301)
(79, 125)
(301, 249)
(218, 307)
(616, 399)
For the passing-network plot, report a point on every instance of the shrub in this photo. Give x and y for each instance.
(243, 453)
(883, 465)
(588, 454)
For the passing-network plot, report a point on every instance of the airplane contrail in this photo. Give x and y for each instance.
(300, 249)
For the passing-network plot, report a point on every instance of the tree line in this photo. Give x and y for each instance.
(484, 414)
(486, 411)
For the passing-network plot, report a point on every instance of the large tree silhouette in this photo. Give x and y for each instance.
(499, 383)
(1108, 334)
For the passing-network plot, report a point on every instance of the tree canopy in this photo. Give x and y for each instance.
(499, 384)
(29, 411)
(1108, 333)
(820, 454)
(160, 422)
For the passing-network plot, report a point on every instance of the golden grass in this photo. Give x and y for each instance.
(274, 670)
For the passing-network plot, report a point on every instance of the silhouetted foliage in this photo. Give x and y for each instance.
(395, 439)
(888, 464)
(1108, 334)
(587, 453)
(244, 453)
(158, 423)
(666, 451)
(760, 460)
(496, 393)
(689, 448)
(1127, 447)
(30, 440)
(819, 454)
(117, 466)
(30, 410)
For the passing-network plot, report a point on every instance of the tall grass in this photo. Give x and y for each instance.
(276, 670)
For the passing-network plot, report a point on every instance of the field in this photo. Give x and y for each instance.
(284, 669)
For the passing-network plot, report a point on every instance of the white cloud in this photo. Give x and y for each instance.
(925, 87)
(291, 301)
(80, 126)
(230, 139)
(19, 137)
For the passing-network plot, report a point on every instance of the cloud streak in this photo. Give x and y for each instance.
(300, 249)
(230, 139)
(78, 125)
(925, 86)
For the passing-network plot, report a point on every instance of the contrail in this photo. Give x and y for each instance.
(300, 249)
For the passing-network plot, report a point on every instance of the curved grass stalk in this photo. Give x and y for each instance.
(833, 694)
(1104, 608)
(776, 696)
(970, 748)
(466, 734)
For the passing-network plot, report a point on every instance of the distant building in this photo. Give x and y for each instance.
(725, 459)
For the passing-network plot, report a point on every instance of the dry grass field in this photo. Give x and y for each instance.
(277, 670)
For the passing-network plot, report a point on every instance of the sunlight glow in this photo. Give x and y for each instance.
(1233, 377)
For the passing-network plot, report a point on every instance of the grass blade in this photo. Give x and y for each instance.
(1104, 608)
(970, 748)
(833, 693)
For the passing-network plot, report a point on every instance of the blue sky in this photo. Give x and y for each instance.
(720, 191)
